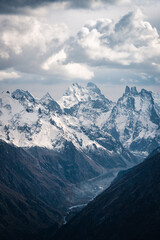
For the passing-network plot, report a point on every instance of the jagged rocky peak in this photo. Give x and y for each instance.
(147, 96)
(74, 94)
(135, 121)
(131, 91)
(50, 103)
(74, 88)
(77, 93)
(22, 95)
(76, 85)
(144, 92)
(127, 90)
(93, 87)
(134, 91)
(47, 97)
(80, 91)
(139, 101)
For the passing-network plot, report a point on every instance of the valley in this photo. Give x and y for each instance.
(56, 157)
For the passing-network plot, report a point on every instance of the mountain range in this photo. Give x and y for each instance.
(85, 117)
(61, 155)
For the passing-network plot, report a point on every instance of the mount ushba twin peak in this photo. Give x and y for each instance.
(85, 117)
(135, 121)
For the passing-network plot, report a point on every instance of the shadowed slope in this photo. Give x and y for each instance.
(128, 209)
(30, 198)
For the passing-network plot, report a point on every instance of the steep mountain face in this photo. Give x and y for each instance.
(91, 93)
(71, 150)
(111, 134)
(27, 122)
(128, 209)
(38, 185)
(107, 135)
(89, 106)
(32, 198)
(156, 98)
(69, 165)
(48, 102)
(135, 121)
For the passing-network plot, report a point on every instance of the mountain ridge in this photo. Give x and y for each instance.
(128, 209)
(85, 117)
(80, 144)
(32, 122)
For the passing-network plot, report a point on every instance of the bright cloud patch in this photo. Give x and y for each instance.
(130, 41)
(56, 64)
(19, 33)
(76, 70)
(8, 75)
(54, 60)
(32, 45)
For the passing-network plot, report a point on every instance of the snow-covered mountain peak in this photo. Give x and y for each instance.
(46, 99)
(131, 91)
(22, 95)
(92, 87)
(50, 104)
(146, 94)
(25, 99)
(137, 101)
(76, 85)
(127, 90)
(135, 120)
(76, 94)
(75, 89)
(88, 119)
(156, 99)
(142, 101)
(73, 95)
(134, 91)
(47, 95)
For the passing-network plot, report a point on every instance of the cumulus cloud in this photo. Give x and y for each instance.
(130, 41)
(55, 59)
(8, 75)
(19, 33)
(32, 45)
(76, 70)
(56, 64)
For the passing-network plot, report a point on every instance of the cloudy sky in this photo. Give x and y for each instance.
(48, 45)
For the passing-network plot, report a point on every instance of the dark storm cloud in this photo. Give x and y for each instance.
(12, 6)
(15, 6)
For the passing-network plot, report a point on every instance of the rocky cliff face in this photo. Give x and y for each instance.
(32, 198)
(135, 121)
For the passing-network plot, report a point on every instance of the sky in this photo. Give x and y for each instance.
(46, 45)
